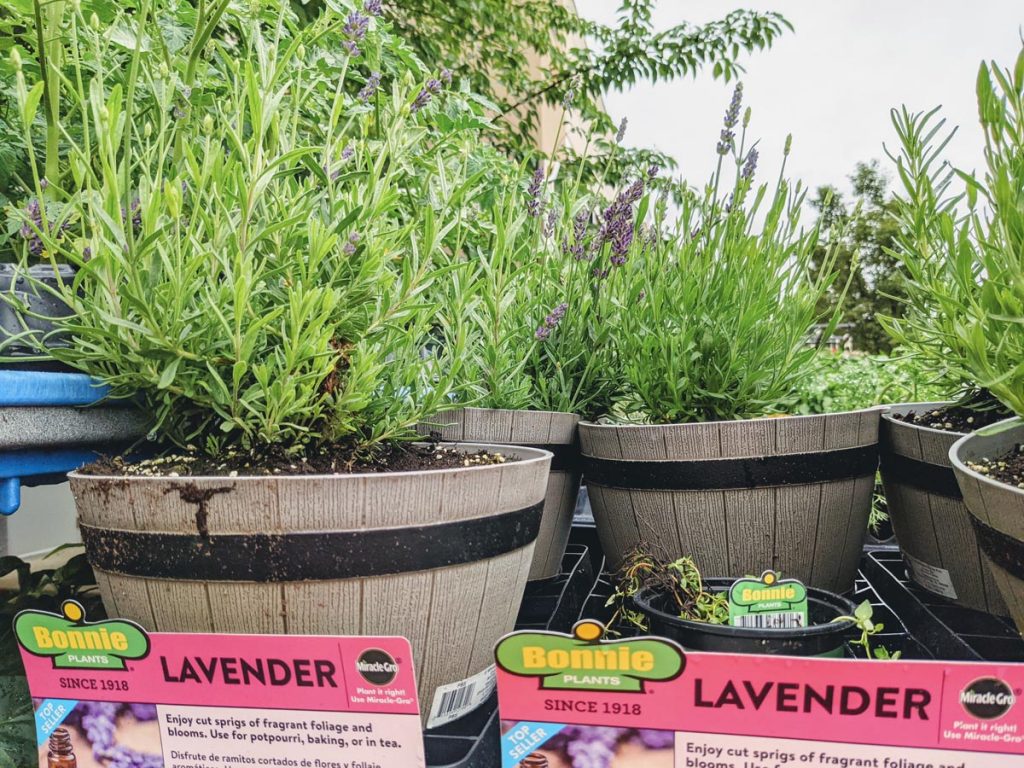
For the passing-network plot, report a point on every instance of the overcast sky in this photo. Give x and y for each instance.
(830, 82)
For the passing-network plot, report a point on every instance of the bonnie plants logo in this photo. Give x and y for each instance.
(376, 667)
(987, 698)
(74, 643)
(583, 661)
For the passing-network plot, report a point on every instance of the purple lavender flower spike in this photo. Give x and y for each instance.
(578, 248)
(347, 152)
(549, 224)
(727, 140)
(635, 191)
(355, 30)
(373, 7)
(422, 99)
(732, 114)
(653, 171)
(86, 253)
(750, 166)
(370, 88)
(446, 75)
(618, 222)
(353, 240)
(551, 322)
(356, 26)
(533, 205)
(434, 85)
(29, 232)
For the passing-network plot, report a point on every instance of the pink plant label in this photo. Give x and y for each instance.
(566, 695)
(200, 700)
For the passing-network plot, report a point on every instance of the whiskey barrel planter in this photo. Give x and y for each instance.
(437, 556)
(997, 513)
(933, 527)
(552, 431)
(792, 493)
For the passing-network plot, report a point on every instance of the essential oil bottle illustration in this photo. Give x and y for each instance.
(534, 760)
(61, 754)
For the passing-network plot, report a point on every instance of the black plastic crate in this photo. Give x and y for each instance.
(943, 629)
(555, 604)
(473, 741)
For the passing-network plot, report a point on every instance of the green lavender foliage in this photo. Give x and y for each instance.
(535, 308)
(718, 311)
(249, 264)
(963, 247)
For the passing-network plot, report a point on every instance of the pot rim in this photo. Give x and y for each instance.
(961, 467)
(903, 407)
(595, 425)
(642, 600)
(501, 410)
(534, 457)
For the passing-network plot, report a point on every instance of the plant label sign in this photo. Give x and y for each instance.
(108, 693)
(768, 602)
(584, 702)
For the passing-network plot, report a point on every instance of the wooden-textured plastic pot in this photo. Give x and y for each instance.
(932, 525)
(792, 494)
(438, 556)
(552, 431)
(823, 636)
(997, 512)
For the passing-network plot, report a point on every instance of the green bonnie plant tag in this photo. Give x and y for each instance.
(768, 602)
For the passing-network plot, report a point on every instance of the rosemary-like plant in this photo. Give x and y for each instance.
(718, 312)
(962, 248)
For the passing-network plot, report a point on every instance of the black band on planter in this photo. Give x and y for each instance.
(724, 474)
(566, 456)
(310, 556)
(1005, 551)
(930, 478)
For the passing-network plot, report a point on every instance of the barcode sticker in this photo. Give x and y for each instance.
(457, 699)
(787, 620)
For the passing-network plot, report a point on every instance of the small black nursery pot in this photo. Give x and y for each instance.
(821, 638)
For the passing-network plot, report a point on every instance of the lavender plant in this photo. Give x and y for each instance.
(542, 295)
(249, 265)
(961, 248)
(718, 309)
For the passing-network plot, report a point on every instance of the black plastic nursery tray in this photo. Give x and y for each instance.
(933, 627)
(553, 604)
(916, 623)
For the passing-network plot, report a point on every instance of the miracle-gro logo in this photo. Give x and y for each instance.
(74, 643)
(987, 698)
(582, 661)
